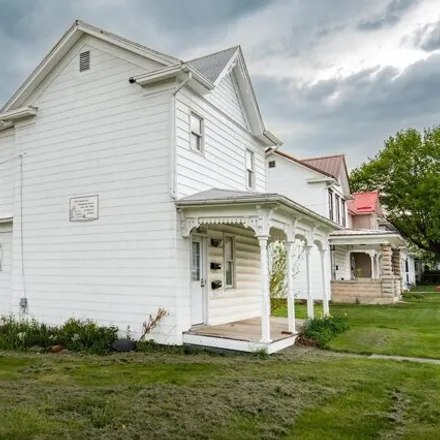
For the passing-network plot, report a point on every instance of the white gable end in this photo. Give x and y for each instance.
(226, 97)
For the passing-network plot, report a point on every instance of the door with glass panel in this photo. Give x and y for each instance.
(197, 282)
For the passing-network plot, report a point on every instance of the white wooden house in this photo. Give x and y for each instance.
(325, 190)
(131, 181)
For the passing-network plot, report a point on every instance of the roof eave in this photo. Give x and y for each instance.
(174, 71)
(20, 113)
(267, 198)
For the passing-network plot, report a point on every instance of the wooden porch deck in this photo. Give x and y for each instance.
(245, 334)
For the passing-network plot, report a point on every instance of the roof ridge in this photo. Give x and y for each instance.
(323, 157)
(300, 162)
(213, 53)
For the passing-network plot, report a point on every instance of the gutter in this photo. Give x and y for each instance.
(267, 198)
(171, 72)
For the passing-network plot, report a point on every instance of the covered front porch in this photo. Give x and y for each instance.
(244, 335)
(236, 229)
(366, 266)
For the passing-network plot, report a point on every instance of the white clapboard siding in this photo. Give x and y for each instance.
(291, 179)
(222, 163)
(6, 172)
(97, 134)
(342, 261)
(6, 268)
(300, 279)
(243, 301)
(225, 97)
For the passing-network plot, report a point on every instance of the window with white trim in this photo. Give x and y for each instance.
(338, 209)
(196, 123)
(330, 205)
(344, 214)
(250, 169)
(229, 250)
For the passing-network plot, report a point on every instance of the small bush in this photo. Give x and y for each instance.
(320, 331)
(75, 335)
(412, 295)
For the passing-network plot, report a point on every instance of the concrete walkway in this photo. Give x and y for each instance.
(405, 359)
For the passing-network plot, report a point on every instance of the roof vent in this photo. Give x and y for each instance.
(84, 61)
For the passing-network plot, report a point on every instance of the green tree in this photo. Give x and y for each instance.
(407, 174)
(278, 269)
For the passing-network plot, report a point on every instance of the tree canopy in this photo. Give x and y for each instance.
(407, 174)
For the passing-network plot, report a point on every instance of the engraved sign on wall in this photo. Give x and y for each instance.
(84, 209)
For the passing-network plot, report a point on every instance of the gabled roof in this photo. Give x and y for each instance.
(62, 47)
(365, 202)
(304, 164)
(212, 66)
(332, 165)
(206, 71)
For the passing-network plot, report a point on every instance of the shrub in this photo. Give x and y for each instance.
(87, 335)
(320, 331)
(75, 335)
(412, 295)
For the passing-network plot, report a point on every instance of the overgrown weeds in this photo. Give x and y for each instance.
(74, 335)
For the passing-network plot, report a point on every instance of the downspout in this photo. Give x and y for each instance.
(173, 133)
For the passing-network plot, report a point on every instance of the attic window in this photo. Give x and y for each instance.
(84, 61)
(272, 164)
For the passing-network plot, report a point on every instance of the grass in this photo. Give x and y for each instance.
(405, 329)
(295, 395)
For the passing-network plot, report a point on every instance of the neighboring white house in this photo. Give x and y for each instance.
(369, 260)
(324, 190)
(131, 181)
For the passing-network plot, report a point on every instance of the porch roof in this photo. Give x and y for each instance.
(365, 237)
(223, 197)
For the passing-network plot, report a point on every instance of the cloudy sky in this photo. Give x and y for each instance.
(332, 76)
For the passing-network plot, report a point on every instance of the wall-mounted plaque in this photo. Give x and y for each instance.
(84, 209)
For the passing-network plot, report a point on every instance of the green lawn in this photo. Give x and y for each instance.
(409, 329)
(294, 395)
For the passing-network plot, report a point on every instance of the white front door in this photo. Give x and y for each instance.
(197, 282)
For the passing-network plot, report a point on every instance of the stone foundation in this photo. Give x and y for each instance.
(363, 291)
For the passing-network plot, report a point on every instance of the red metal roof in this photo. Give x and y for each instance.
(303, 163)
(328, 164)
(365, 202)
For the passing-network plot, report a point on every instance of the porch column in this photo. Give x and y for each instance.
(372, 255)
(310, 312)
(388, 287)
(290, 296)
(324, 284)
(265, 298)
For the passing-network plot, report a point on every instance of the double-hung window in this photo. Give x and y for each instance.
(344, 215)
(196, 132)
(330, 205)
(229, 249)
(250, 169)
(338, 209)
